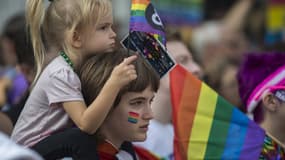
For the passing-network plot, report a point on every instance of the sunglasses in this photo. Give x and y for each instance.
(278, 91)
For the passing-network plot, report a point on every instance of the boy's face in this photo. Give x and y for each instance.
(129, 120)
(102, 38)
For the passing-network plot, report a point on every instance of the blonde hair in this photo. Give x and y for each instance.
(50, 27)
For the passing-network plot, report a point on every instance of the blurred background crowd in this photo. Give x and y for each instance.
(218, 34)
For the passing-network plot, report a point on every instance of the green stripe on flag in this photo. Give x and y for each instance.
(137, 13)
(219, 131)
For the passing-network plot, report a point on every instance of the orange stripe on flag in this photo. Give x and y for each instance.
(187, 87)
(141, 2)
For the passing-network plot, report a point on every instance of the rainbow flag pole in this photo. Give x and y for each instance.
(207, 126)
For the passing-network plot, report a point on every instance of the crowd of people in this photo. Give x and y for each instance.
(67, 89)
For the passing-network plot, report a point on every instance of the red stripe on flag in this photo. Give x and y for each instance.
(185, 91)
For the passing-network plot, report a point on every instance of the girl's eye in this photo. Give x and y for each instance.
(104, 27)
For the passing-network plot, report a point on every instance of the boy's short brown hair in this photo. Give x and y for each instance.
(97, 69)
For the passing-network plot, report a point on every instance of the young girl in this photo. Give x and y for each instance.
(74, 29)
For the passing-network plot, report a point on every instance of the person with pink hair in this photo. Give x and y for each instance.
(261, 79)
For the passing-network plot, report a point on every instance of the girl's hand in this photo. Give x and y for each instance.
(124, 73)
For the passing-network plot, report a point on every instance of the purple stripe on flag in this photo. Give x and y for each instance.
(253, 142)
(143, 27)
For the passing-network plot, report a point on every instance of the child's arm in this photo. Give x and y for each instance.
(90, 119)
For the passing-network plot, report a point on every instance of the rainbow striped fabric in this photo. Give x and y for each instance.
(144, 18)
(207, 126)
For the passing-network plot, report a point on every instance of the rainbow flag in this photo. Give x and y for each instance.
(144, 18)
(206, 126)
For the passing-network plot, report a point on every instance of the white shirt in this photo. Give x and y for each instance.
(11, 151)
(159, 139)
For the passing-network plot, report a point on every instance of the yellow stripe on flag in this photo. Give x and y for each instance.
(202, 123)
(138, 7)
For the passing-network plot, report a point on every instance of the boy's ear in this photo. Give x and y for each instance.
(76, 40)
(270, 102)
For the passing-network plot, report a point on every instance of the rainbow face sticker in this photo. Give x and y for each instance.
(133, 117)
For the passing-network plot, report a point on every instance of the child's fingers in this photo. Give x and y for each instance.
(130, 59)
(131, 66)
(127, 68)
(132, 76)
(132, 72)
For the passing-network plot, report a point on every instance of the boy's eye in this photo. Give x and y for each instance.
(137, 103)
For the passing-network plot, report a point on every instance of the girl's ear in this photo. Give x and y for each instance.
(270, 102)
(76, 40)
